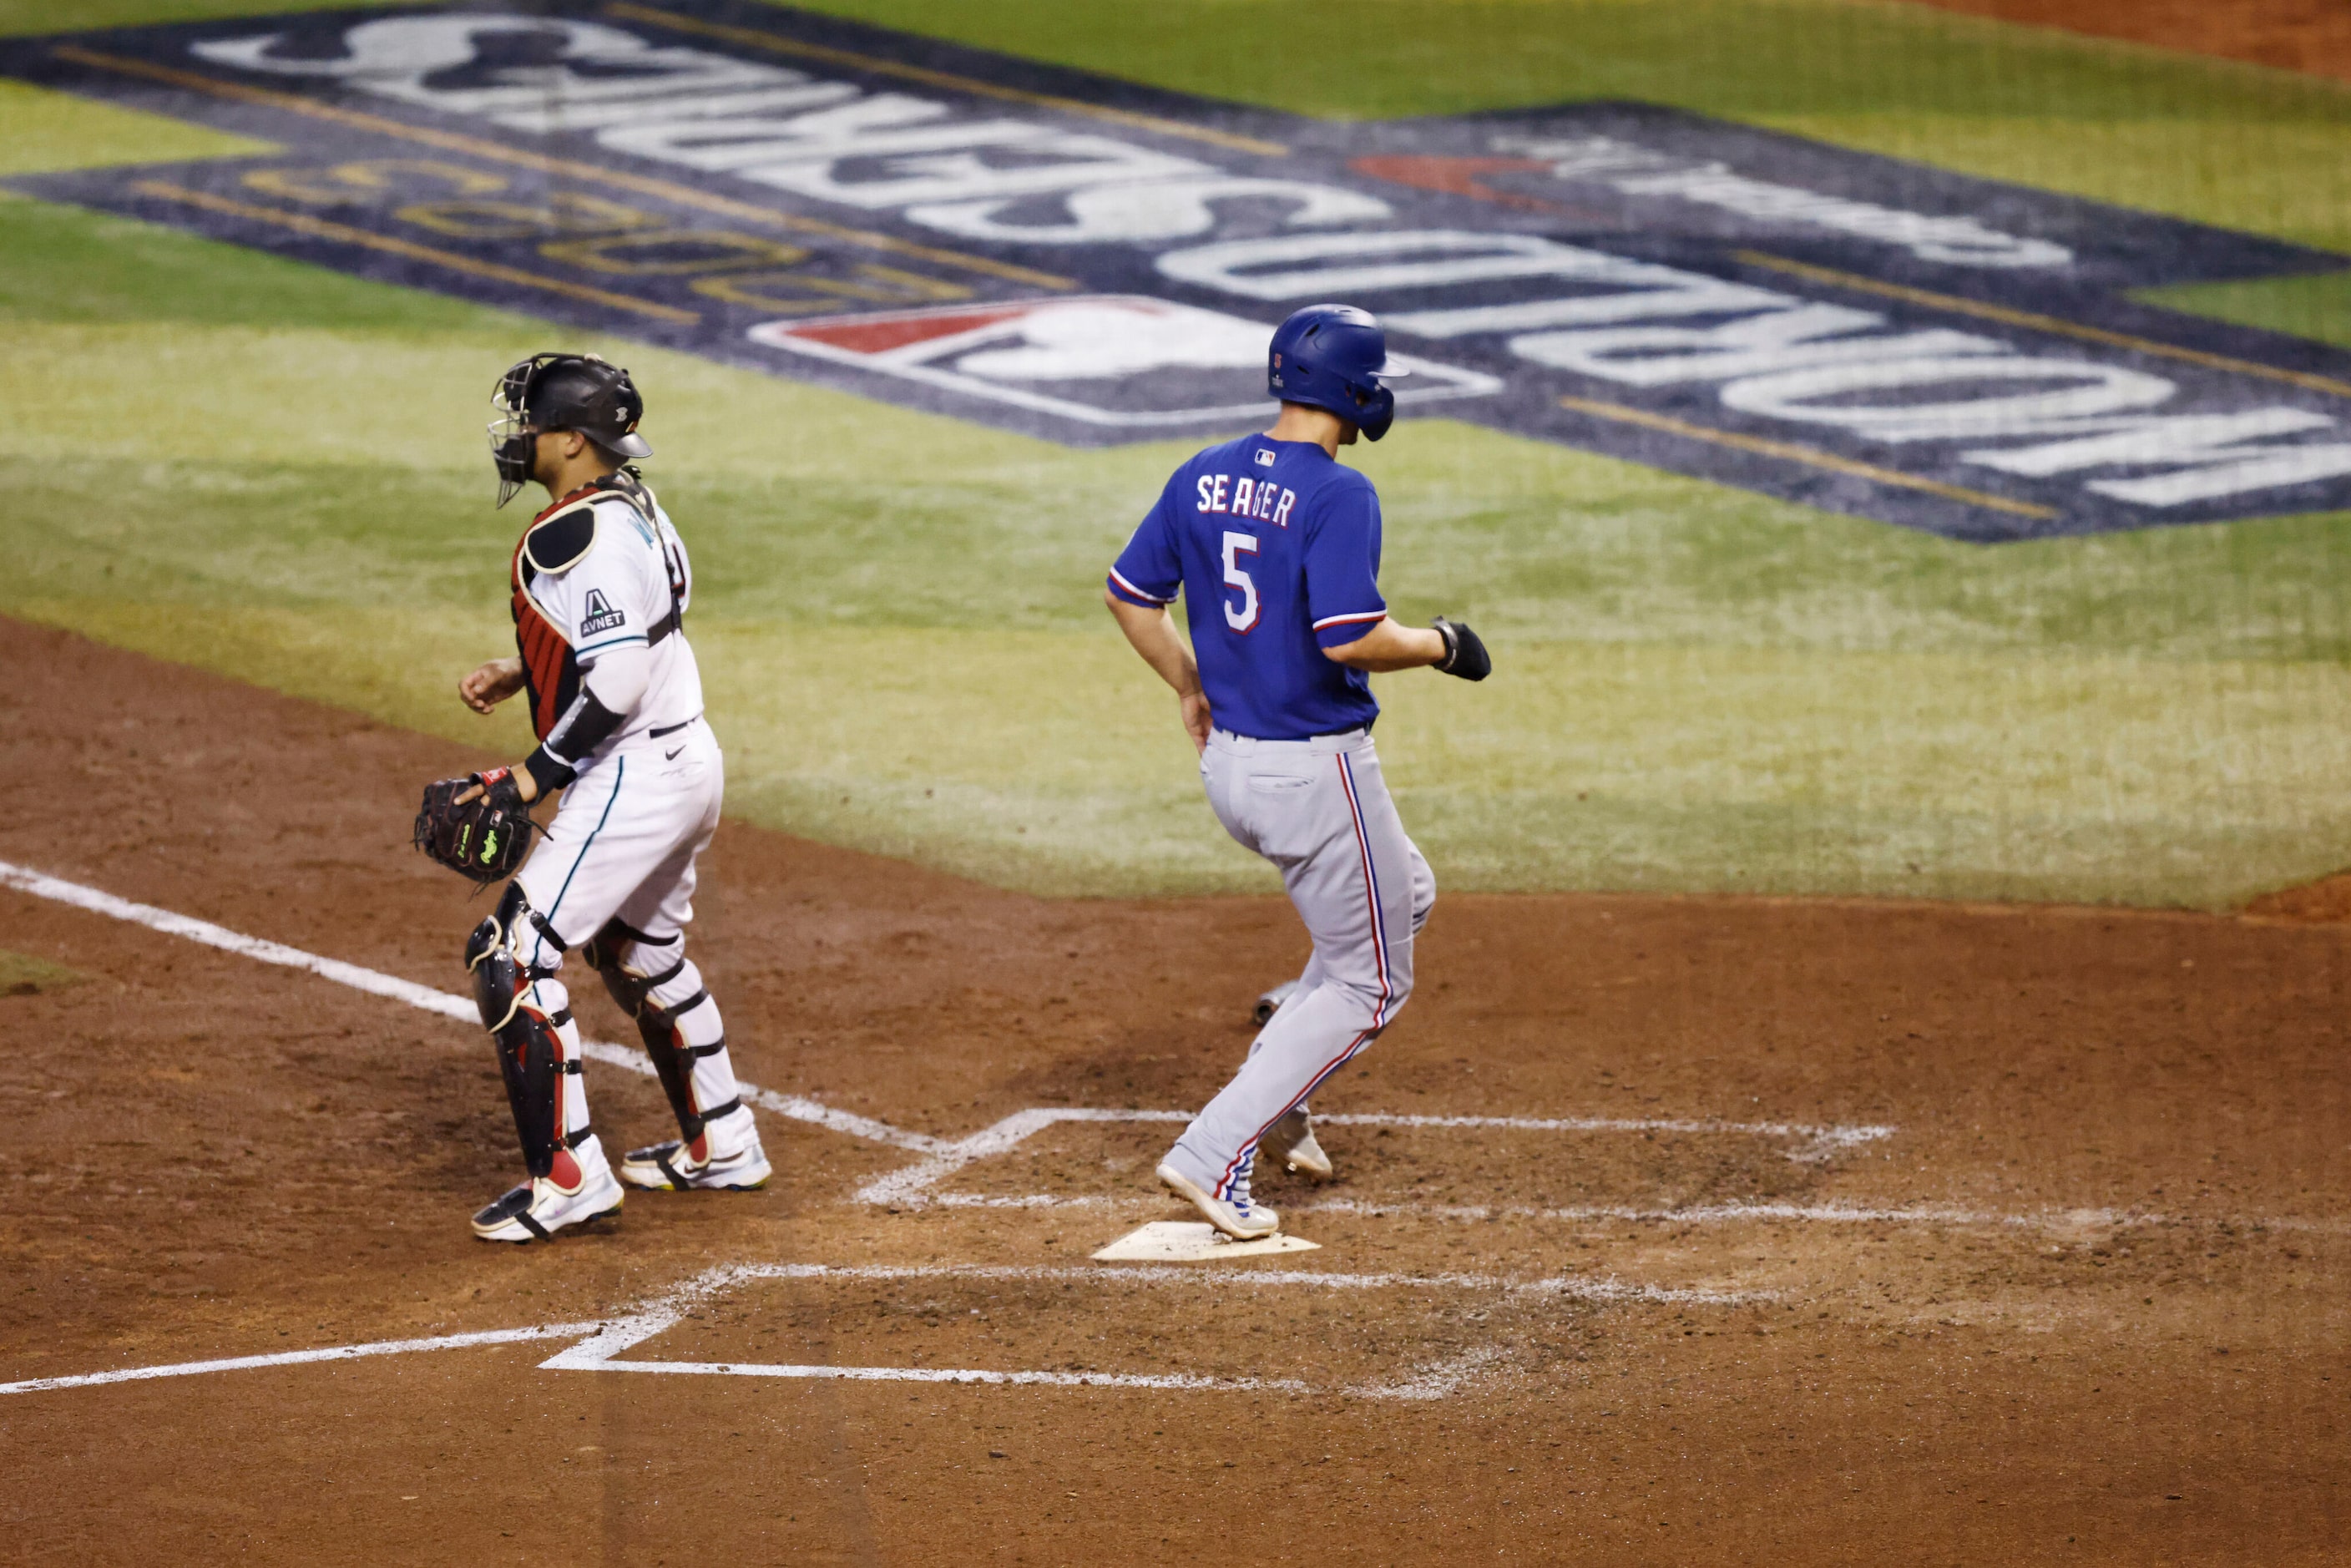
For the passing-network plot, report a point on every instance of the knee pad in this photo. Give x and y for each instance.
(493, 955)
(631, 964)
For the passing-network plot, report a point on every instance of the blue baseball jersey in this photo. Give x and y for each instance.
(1276, 550)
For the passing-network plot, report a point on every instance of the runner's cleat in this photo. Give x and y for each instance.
(1289, 1143)
(672, 1167)
(1241, 1218)
(540, 1207)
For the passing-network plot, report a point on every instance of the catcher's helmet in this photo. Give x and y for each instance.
(562, 392)
(1333, 357)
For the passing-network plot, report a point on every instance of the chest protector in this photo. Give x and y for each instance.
(558, 540)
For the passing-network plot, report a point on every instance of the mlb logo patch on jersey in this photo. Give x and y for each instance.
(597, 615)
(1265, 457)
(1110, 362)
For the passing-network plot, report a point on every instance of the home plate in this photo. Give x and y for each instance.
(1193, 1241)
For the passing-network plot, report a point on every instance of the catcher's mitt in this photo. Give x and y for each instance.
(484, 838)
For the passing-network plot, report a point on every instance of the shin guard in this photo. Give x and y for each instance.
(531, 1058)
(533, 1067)
(633, 967)
(675, 1061)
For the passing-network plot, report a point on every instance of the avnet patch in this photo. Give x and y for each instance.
(1091, 262)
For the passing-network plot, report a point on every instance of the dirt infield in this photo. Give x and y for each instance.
(1880, 1233)
(2313, 36)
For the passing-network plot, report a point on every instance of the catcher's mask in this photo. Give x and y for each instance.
(561, 392)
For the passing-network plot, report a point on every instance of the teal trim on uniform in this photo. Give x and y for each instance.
(620, 771)
(608, 642)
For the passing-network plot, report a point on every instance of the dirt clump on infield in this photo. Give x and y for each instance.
(1665, 1230)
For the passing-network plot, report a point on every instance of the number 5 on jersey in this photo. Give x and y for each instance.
(1243, 616)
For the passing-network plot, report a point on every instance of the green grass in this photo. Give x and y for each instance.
(51, 133)
(897, 613)
(23, 17)
(22, 975)
(2317, 307)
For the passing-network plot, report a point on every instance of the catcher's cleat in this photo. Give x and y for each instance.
(542, 1206)
(1238, 1218)
(673, 1167)
(1289, 1143)
(1270, 1003)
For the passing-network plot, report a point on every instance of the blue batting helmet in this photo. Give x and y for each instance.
(1331, 357)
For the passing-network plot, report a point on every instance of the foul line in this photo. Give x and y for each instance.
(881, 67)
(298, 1357)
(450, 141)
(1811, 456)
(2034, 319)
(344, 233)
(425, 997)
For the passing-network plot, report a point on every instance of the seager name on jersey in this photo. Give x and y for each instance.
(1246, 497)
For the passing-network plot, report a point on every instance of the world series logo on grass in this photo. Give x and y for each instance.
(1091, 262)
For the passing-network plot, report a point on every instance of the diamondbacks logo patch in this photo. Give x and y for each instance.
(597, 615)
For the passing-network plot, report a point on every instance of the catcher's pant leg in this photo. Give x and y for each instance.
(624, 826)
(1319, 811)
(623, 823)
(657, 915)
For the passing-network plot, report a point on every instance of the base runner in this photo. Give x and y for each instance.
(600, 585)
(1275, 548)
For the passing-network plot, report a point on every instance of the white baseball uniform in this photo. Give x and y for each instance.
(602, 582)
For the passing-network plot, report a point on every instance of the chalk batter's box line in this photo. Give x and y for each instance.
(943, 1156)
(918, 1184)
(604, 1351)
(600, 1344)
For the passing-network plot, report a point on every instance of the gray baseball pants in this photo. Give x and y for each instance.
(1319, 810)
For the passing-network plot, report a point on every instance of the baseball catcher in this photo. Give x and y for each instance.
(601, 586)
